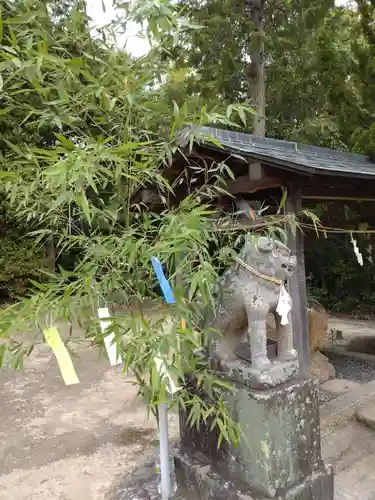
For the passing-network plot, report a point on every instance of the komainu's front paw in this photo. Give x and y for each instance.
(288, 355)
(261, 363)
(219, 363)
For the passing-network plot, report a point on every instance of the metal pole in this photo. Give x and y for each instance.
(164, 452)
(165, 473)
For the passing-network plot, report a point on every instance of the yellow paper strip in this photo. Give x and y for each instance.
(67, 370)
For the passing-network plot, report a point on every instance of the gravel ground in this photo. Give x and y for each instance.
(143, 482)
(353, 368)
(75, 442)
(350, 369)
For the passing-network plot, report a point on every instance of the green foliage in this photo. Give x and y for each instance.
(19, 262)
(364, 141)
(20, 259)
(335, 277)
(217, 52)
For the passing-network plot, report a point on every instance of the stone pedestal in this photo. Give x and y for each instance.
(278, 458)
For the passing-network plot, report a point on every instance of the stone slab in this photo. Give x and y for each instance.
(351, 449)
(363, 344)
(340, 386)
(339, 411)
(366, 413)
(201, 482)
(339, 350)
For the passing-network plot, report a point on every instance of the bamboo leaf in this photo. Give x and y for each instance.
(14, 147)
(67, 143)
(223, 432)
(283, 200)
(242, 115)
(84, 204)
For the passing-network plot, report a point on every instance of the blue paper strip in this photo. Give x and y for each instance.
(163, 282)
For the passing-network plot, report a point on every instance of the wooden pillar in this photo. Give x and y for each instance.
(297, 285)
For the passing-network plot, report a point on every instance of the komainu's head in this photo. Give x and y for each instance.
(269, 256)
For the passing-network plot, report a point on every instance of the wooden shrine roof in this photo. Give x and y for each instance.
(300, 158)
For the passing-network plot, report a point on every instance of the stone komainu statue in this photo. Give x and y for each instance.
(249, 290)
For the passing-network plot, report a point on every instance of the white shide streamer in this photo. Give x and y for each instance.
(109, 342)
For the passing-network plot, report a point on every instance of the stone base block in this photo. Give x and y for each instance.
(197, 480)
(279, 449)
(279, 372)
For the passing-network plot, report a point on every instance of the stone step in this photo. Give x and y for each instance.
(365, 413)
(339, 386)
(337, 412)
(351, 451)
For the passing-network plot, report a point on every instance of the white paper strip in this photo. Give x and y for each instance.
(369, 254)
(284, 306)
(109, 343)
(356, 250)
(163, 372)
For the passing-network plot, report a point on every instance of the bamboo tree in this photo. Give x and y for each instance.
(96, 126)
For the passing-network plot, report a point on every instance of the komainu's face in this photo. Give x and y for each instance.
(283, 263)
(270, 257)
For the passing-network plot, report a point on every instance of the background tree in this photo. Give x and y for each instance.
(317, 60)
(364, 135)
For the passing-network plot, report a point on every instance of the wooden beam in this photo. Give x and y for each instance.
(365, 192)
(243, 184)
(226, 223)
(297, 285)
